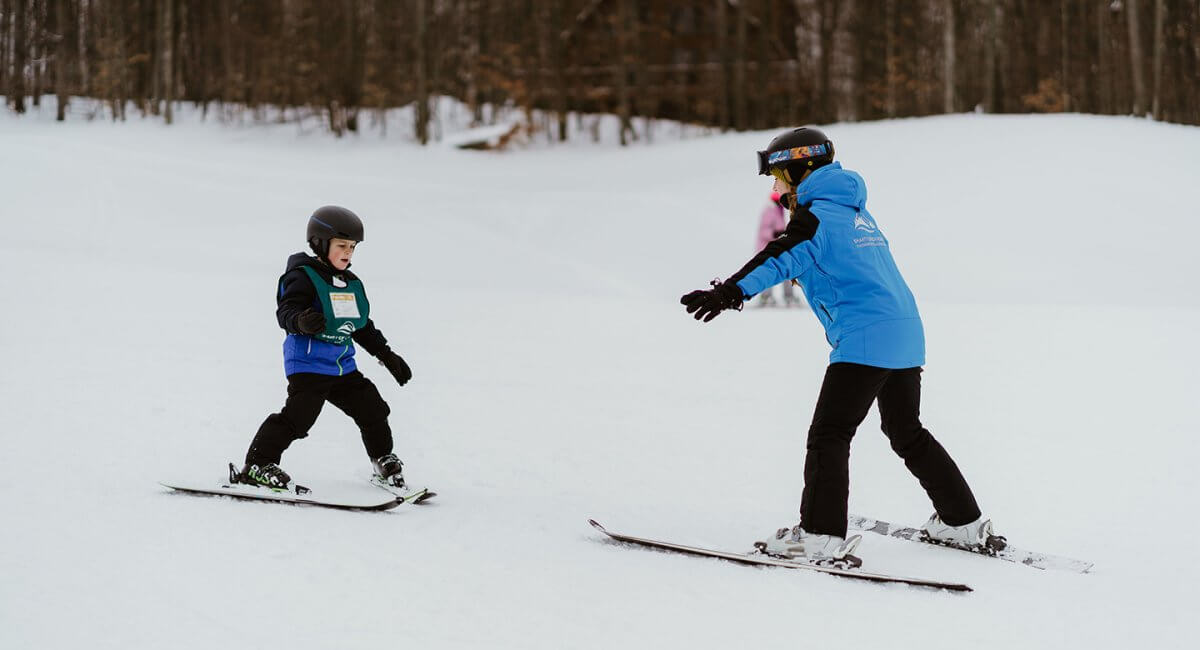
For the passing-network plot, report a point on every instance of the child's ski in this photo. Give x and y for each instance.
(766, 560)
(406, 494)
(1008, 553)
(339, 495)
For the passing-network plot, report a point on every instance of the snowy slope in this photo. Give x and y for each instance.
(556, 378)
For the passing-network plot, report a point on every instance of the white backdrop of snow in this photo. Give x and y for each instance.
(556, 378)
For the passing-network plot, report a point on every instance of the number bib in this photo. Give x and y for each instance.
(345, 308)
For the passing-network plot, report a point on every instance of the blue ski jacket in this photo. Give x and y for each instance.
(834, 248)
(294, 295)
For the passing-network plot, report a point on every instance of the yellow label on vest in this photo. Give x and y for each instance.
(344, 305)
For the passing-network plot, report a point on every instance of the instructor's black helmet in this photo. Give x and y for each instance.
(794, 152)
(329, 222)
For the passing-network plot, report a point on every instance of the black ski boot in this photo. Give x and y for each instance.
(389, 470)
(269, 476)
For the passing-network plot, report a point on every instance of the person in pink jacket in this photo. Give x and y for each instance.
(773, 222)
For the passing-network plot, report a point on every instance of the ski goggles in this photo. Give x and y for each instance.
(767, 160)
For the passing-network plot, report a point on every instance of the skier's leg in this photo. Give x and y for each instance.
(846, 396)
(899, 415)
(357, 397)
(306, 396)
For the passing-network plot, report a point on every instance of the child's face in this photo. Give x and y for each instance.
(340, 252)
(780, 186)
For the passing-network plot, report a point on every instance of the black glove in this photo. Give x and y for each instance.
(787, 201)
(706, 304)
(396, 366)
(310, 321)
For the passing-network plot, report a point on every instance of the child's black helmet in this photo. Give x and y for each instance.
(795, 152)
(329, 222)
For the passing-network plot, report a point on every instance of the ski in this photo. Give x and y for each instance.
(1009, 553)
(405, 494)
(766, 560)
(337, 495)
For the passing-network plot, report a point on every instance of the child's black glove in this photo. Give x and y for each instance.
(396, 366)
(310, 321)
(706, 304)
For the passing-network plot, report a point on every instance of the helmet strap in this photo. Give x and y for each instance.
(320, 247)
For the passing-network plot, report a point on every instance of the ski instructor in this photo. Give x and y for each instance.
(833, 248)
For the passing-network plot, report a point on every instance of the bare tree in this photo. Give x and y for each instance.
(421, 71)
(1160, 14)
(166, 46)
(1136, 59)
(16, 86)
(948, 56)
(62, 45)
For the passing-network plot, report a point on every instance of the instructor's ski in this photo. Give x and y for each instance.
(1008, 553)
(765, 560)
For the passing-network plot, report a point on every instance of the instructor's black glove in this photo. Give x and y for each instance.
(706, 304)
(396, 366)
(310, 321)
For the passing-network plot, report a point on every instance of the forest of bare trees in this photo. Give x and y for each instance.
(731, 64)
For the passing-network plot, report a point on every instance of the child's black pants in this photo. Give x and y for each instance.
(307, 392)
(847, 393)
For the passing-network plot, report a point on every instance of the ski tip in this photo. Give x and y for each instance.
(595, 524)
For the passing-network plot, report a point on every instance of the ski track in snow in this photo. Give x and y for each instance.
(535, 294)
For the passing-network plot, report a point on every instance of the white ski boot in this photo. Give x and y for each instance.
(976, 536)
(800, 545)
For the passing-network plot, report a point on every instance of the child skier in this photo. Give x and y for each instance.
(771, 224)
(833, 246)
(324, 309)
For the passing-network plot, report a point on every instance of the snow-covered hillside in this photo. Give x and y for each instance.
(535, 295)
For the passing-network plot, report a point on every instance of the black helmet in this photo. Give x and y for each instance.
(795, 152)
(332, 221)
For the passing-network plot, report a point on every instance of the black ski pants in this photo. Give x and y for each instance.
(847, 393)
(307, 392)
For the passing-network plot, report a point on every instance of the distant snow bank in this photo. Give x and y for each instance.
(452, 121)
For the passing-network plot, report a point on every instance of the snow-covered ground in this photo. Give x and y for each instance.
(535, 295)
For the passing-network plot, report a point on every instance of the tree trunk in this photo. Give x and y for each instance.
(37, 50)
(949, 56)
(1160, 14)
(721, 96)
(739, 70)
(81, 53)
(621, 69)
(5, 21)
(420, 73)
(167, 44)
(891, 69)
(1064, 67)
(61, 47)
(1135, 57)
(824, 101)
(16, 86)
(557, 58)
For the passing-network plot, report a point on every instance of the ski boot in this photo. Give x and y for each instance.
(389, 471)
(269, 475)
(823, 550)
(976, 536)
